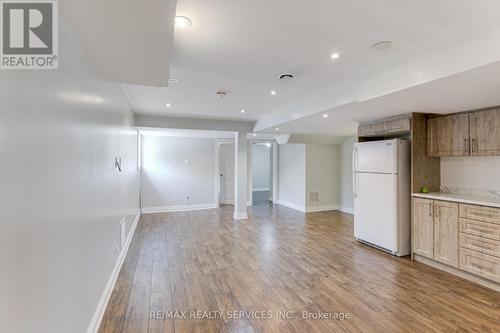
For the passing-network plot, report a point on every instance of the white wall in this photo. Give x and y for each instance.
(476, 173)
(177, 173)
(322, 176)
(261, 167)
(61, 198)
(346, 196)
(292, 175)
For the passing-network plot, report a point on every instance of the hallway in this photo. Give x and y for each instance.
(281, 260)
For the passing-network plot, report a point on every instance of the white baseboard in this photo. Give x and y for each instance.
(110, 285)
(179, 208)
(260, 189)
(240, 216)
(323, 208)
(311, 209)
(344, 209)
(227, 202)
(292, 206)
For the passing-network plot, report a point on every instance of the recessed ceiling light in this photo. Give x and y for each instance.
(273, 92)
(335, 55)
(277, 128)
(254, 134)
(182, 22)
(168, 105)
(242, 111)
(325, 115)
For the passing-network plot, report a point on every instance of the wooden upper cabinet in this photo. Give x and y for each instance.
(386, 127)
(485, 132)
(423, 227)
(448, 135)
(446, 232)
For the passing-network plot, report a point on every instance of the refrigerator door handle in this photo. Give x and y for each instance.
(354, 169)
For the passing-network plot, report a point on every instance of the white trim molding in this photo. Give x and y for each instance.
(345, 209)
(260, 189)
(179, 208)
(240, 216)
(324, 208)
(110, 285)
(312, 209)
(292, 205)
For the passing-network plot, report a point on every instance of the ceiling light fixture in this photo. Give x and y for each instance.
(382, 46)
(182, 22)
(277, 128)
(242, 111)
(286, 78)
(254, 134)
(325, 115)
(168, 105)
(273, 92)
(335, 55)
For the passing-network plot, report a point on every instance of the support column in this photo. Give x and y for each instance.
(275, 172)
(240, 176)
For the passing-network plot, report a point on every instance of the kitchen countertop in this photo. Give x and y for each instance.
(467, 199)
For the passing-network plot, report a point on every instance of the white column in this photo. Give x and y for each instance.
(240, 176)
(275, 173)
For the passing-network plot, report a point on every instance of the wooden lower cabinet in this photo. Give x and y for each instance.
(480, 264)
(423, 227)
(463, 236)
(446, 232)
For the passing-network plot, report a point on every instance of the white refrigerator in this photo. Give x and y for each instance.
(381, 188)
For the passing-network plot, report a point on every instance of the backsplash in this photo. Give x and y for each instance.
(477, 176)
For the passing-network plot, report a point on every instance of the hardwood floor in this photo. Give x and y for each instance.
(283, 260)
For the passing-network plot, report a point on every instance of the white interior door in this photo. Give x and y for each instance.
(226, 165)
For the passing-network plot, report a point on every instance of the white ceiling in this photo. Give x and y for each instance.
(473, 89)
(127, 40)
(242, 46)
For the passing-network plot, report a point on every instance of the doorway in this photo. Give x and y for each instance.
(262, 173)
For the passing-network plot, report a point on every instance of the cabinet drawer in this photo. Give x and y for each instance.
(482, 229)
(480, 213)
(480, 264)
(480, 244)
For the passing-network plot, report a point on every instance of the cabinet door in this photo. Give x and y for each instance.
(448, 135)
(446, 232)
(485, 133)
(423, 227)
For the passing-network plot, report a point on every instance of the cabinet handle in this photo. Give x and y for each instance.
(466, 145)
(431, 210)
(473, 145)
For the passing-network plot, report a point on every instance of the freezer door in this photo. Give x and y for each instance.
(376, 156)
(375, 210)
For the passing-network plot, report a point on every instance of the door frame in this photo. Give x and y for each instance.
(274, 170)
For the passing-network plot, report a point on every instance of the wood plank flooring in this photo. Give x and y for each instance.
(283, 260)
